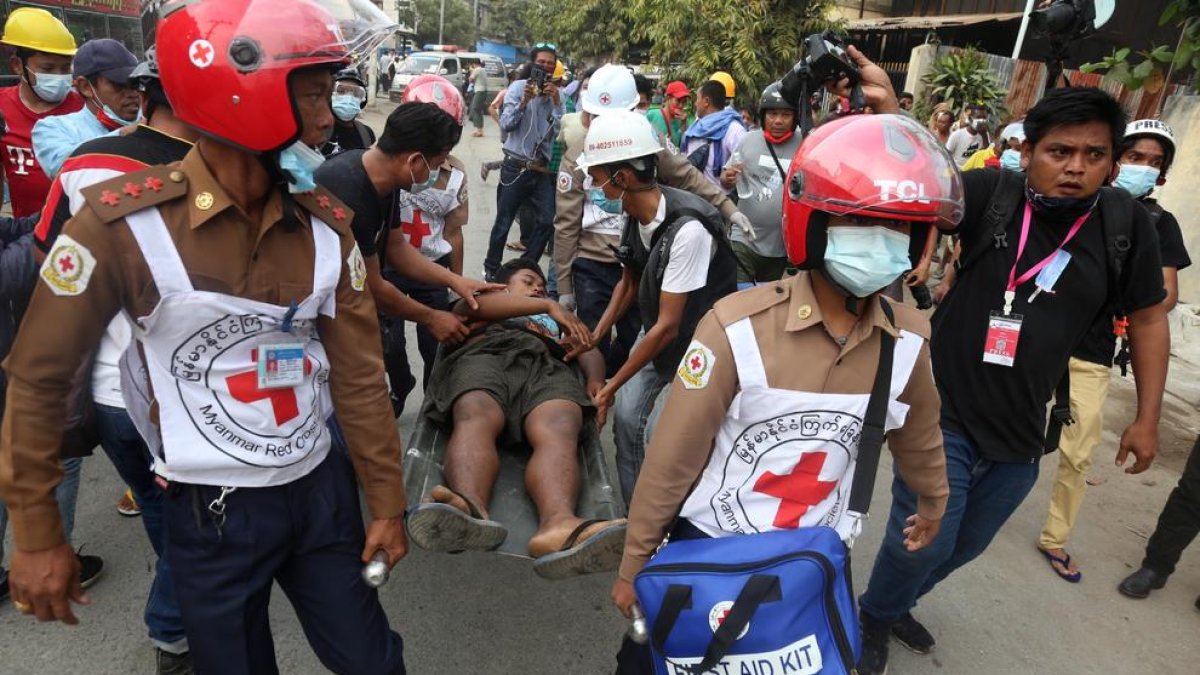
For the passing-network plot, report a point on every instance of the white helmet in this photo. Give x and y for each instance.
(610, 88)
(1155, 128)
(618, 136)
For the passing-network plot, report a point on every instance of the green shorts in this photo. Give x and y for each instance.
(515, 368)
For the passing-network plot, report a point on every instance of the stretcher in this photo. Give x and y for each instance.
(511, 506)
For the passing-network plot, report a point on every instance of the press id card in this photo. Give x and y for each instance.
(1000, 347)
(280, 366)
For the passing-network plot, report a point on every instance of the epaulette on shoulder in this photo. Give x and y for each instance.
(118, 197)
(737, 306)
(322, 204)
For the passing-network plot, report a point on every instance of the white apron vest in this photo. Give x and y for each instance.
(785, 459)
(216, 425)
(423, 216)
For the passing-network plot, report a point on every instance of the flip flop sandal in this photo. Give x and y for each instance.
(442, 527)
(1073, 577)
(600, 552)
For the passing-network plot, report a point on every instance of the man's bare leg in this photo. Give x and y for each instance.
(471, 462)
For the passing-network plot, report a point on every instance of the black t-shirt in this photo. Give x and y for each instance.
(348, 137)
(144, 146)
(1003, 409)
(344, 176)
(1100, 343)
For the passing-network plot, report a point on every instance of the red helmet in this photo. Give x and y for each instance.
(876, 166)
(439, 91)
(225, 64)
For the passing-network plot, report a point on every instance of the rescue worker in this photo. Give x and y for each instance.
(349, 98)
(804, 351)
(101, 69)
(417, 137)
(1146, 154)
(234, 264)
(43, 48)
(163, 139)
(429, 217)
(588, 226)
(677, 263)
(762, 161)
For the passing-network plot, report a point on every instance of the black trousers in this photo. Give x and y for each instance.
(307, 536)
(1179, 521)
(395, 342)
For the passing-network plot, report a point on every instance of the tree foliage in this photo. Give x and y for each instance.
(961, 78)
(756, 41)
(423, 16)
(514, 21)
(1152, 69)
(592, 28)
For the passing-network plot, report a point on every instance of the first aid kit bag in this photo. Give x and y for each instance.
(761, 604)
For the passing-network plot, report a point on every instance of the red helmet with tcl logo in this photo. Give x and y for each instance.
(225, 64)
(872, 166)
(439, 91)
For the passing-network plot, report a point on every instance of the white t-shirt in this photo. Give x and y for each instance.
(962, 144)
(691, 253)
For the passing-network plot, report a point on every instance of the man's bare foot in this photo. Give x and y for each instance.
(444, 495)
(575, 546)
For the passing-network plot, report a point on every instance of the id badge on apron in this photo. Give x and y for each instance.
(281, 366)
(1000, 347)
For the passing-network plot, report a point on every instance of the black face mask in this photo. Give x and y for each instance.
(1066, 208)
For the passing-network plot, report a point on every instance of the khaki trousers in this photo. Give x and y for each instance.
(1089, 387)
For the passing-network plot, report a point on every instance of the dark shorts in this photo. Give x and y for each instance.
(763, 268)
(513, 367)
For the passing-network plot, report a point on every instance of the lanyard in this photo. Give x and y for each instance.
(1013, 280)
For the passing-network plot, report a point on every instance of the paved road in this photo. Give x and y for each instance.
(482, 613)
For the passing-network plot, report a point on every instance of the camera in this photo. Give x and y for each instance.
(825, 60)
(538, 76)
(1072, 18)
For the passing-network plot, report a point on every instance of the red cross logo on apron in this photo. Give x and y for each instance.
(244, 387)
(416, 230)
(796, 491)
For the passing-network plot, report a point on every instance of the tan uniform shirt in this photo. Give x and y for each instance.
(798, 353)
(224, 252)
(572, 241)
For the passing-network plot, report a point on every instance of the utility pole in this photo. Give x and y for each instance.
(442, 22)
(1021, 32)
(475, 16)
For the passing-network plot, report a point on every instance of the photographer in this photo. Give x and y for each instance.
(531, 116)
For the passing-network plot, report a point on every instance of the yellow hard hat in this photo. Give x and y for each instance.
(725, 79)
(559, 70)
(38, 30)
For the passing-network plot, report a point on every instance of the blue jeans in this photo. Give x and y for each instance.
(306, 535)
(128, 453)
(594, 282)
(517, 186)
(635, 414)
(983, 495)
(67, 493)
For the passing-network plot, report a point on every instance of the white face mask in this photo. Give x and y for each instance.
(51, 88)
(864, 259)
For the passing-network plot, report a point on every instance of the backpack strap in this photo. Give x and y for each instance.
(1006, 197)
(686, 214)
(870, 442)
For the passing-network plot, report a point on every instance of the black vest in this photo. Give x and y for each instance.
(650, 265)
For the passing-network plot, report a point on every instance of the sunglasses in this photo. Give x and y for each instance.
(546, 45)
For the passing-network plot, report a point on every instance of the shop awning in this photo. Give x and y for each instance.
(928, 22)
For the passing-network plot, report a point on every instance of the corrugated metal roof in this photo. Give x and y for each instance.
(927, 22)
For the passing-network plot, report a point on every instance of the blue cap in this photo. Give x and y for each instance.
(105, 57)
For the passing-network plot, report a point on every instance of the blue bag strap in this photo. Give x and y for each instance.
(759, 590)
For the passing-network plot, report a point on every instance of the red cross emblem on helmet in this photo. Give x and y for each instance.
(605, 99)
(201, 53)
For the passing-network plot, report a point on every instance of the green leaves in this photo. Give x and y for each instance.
(963, 77)
(1151, 69)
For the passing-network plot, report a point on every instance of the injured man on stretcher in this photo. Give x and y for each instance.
(525, 375)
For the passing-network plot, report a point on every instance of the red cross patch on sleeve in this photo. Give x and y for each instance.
(696, 367)
(68, 267)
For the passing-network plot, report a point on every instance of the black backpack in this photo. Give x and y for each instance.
(1116, 219)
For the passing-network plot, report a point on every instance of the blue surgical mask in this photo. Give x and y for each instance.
(1137, 179)
(346, 107)
(1011, 159)
(596, 196)
(864, 259)
(433, 178)
(52, 88)
(300, 161)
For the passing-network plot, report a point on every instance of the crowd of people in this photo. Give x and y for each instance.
(211, 262)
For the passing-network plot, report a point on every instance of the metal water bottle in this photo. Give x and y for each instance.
(637, 625)
(376, 572)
